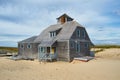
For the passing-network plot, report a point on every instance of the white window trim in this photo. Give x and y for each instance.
(43, 51)
(83, 33)
(29, 46)
(78, 47)
(78, 33)
(53, 34)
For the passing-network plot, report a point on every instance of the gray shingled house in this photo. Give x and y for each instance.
(62, 41)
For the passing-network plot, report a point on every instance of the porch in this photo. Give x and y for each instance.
(47, 53)
(47, 50)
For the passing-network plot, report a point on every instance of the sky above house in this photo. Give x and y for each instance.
(20, 19)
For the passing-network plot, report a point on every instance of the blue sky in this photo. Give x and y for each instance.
(20, 19)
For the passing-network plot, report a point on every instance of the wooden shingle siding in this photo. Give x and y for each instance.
(82, 40)
(28, 52)
(62, 50)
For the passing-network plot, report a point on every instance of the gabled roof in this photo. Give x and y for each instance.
(66, 32)
(29, 40)
(44, 35)
(47, 43)
(65, 15)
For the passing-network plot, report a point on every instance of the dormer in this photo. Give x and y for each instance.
(54, 33)
(64, 18)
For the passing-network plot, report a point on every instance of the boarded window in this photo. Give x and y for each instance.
(62, 19)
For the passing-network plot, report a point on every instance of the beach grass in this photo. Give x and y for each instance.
(8, 49)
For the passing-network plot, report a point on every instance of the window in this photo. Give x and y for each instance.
(77, 47)
(29, 46)
(52, 34)
(21, 46)
(72, 44)
(78, 33)
(86, 45)
(83, 33)
(42, 49)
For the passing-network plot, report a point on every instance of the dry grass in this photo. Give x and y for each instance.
(8, 49)
(109, 53)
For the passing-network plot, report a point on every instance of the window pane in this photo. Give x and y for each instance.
(78, 33)
(42, 49)
(78, 47)
(22, 46)
(83, 33)
(72, 44)
(52, 34)
(86, 45)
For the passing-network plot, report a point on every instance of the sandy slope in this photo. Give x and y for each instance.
(110, 53)
(98, 69)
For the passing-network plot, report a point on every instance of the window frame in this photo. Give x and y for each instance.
(72, 44)
(86, 45)
(21, 46)
(53, 34)
(83, 33)
(29, 46)
(42, 49)
(78, 33)
(78, 47)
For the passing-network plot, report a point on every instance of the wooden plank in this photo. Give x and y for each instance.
(85, 58)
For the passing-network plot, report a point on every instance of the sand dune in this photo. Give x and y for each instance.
(97, 69)
(110, 53)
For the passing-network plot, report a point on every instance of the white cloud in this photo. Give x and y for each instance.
(106, 33)
(32, 16)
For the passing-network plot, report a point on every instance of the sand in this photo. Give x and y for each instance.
(97, 69)
(113, 53)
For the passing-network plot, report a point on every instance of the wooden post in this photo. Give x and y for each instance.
(68, 51)
(38, 53)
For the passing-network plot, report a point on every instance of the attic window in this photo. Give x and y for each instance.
(83, 33)
(78, 33)
(53, 34)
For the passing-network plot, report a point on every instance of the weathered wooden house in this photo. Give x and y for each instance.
(62, 41)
